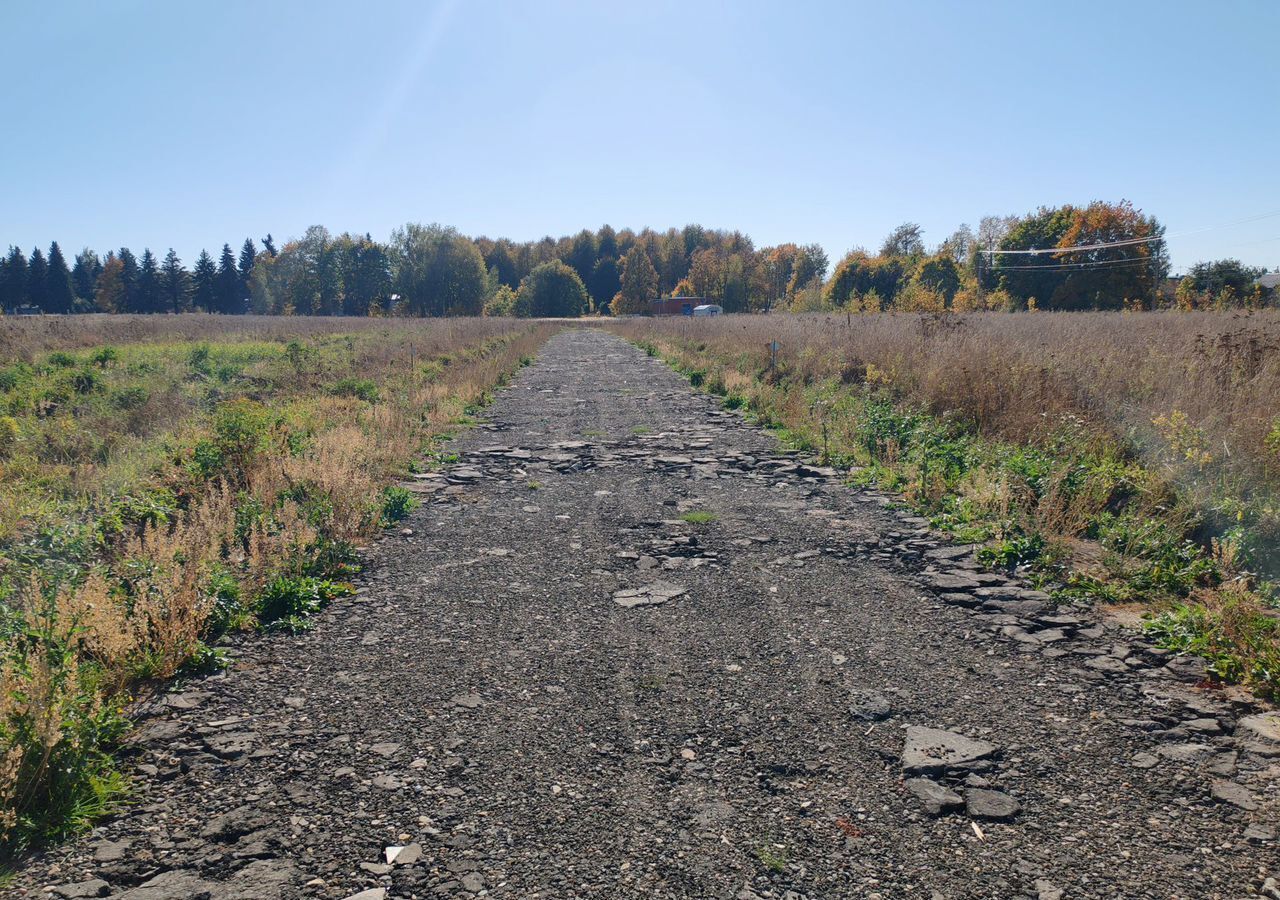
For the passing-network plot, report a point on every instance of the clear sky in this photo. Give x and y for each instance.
(189, 124)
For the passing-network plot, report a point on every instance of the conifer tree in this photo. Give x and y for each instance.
(204, 282)
(149, 283)
(128, 280)
(37, 279)
(227, 286)
(248, 255)
(58, 295)
(13, 279)
(174, 284)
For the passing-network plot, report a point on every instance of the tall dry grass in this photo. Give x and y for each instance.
(273, 438)
(1120, 457)
(1197, 394)
(26, 337)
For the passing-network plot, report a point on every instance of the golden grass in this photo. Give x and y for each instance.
(1195, 394)
(263, 465)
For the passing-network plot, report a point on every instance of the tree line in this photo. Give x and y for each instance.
(1099, 256)
(423, 270)
(1012, 262)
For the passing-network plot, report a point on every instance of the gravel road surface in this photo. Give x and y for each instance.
(628, 647)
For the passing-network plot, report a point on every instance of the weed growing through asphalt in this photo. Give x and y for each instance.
(650, 682)
(397, 504)
(773, 857)
(698, 517)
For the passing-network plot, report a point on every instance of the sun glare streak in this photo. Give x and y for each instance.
(370, 139)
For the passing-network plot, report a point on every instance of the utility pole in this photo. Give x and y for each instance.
(978, 253)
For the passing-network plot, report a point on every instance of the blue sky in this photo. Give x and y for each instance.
(188, 124)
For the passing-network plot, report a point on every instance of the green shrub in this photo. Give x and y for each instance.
(130, 398)
(61, 730)
(362, 388)
(249, 512)
(242, 430)
(86, 382)
(397, 503)
(205, 660)
(298, 354)
(1012, 552)
(1238, 643)
(61, 359)
(229, 612)
(286, 603)
(104, 357)
(198, 359)
(12, 376)
(206, 459)
(132, 512)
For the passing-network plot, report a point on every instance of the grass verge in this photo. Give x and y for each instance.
(1073, 506)
(159, 494)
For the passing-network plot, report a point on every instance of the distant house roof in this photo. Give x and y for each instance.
(1270, 281)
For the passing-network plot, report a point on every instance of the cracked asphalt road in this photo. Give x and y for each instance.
(626, 647)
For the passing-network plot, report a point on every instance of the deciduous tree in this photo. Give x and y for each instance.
(639, 284)
(108, 296)
(604, 282)
(84, 275)
(437, 271)
(905, 240)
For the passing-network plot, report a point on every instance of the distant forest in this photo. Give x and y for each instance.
(1048, 259)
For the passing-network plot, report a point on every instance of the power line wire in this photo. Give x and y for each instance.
(1095, 264)
(1125, 243)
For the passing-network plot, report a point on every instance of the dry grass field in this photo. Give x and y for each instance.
(1120, 458)
(167, 480)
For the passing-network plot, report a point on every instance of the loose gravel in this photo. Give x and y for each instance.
(628, 647)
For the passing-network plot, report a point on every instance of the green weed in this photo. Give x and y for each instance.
(698, 517)
(397, 504)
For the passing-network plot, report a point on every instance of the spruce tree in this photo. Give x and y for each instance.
(229, 299)
(13, 279)
(84, 275)
(174, 283)
(59, 297)
(269, 245)
(245, 266)
(149, 283)
(204, 282)
(128, 280)
(37, 280)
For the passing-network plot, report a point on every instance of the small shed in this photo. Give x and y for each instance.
(675, 306)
